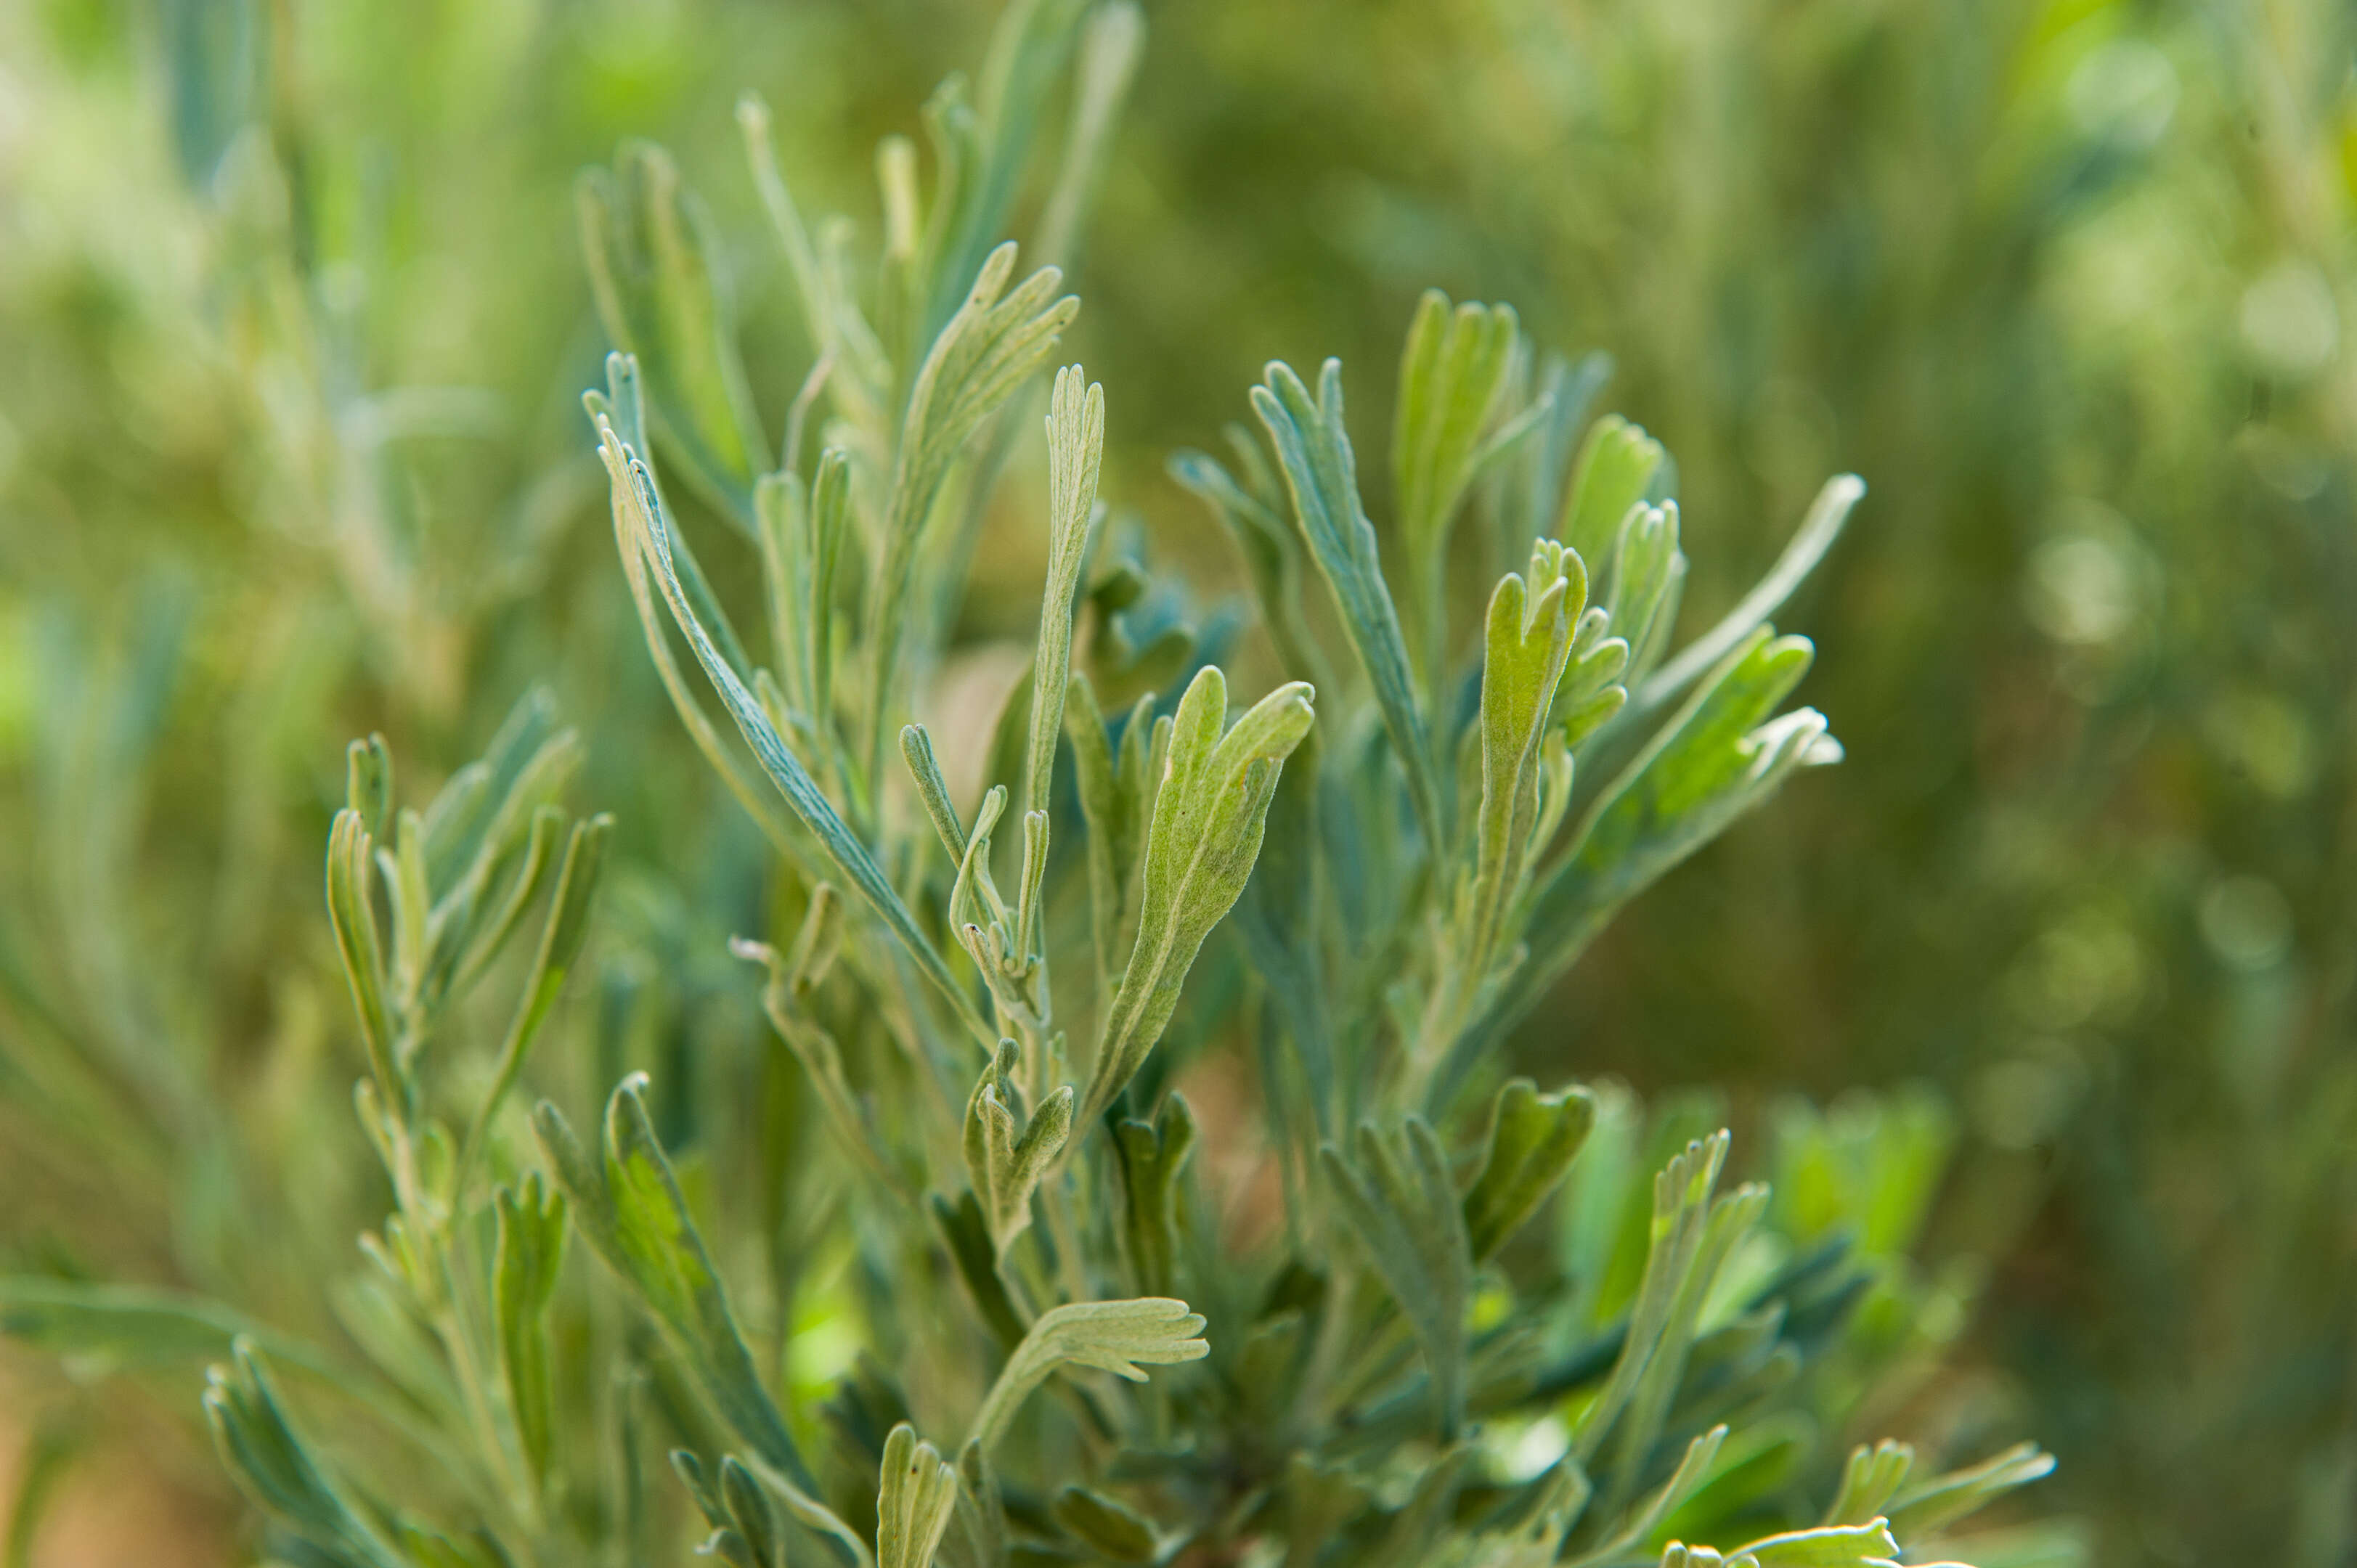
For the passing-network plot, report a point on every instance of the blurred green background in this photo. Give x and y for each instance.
(293, 322)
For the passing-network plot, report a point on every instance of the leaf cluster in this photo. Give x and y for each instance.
(974, 1112)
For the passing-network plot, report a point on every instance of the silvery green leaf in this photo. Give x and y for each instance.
(623, 402)
(1203, 837)
(1678, 1554)
(1005, 1161)
(1533, 1140)
(1647, 579)
(654, 268)
(475, 820)
(1818, 531)
(482, 934)
(726, 1542)
(1401, 1202)
(1526, 642)
(1716, 758)
(644, 537)
(1105, 1526)
(1614, 471)
(352, 910)
(1075, 447)
(1152, 1156)
(1631, 1527)
(620, 407)
(1453, 378)
(1590, 692)
(1680, 1210)
(745, 1530)
(919, 1491)
(1313, 449)
(368, 783)
(1870, 1480)
(560, 946)
(1118, 1336)
(627, 1203)
(528, 1256)
(1120, 818)
(1029, 909)
(993, 343)
(1928, 1506)
(270, 1460)
(1725, 1224)
(1104, 811)
(932, 789)
(1868, 1545)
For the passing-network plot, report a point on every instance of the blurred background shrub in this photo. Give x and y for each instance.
(294, 318)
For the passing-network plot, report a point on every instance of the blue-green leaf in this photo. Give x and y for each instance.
(1313, 449)
(644, 536)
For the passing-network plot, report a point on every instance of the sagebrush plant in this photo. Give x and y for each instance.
(1457, 1323)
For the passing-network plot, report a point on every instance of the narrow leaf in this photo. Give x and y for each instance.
(1534, 1138)
(1118, 1336)
(917, 1493)
(1401, 1202)
(1209, 815)
(1313, 449)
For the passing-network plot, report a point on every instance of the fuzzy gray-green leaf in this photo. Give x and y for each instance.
(1075, 448)
(653, 268)
(1117, 1336)
(261, 1447)
(1153, 1154)
(1003, 1160)
(1817, 532)
(1614, 471)
(1401, 1202)
(1526, 643)
(1867, 1545)
(1452, 378)
(629, 1204)
(1928, 1506)
(529, 1254)
(1208, 814)
(1313, 449)
(1533, 1140)
(995, 342)
(644, 536)
(919, 1491)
